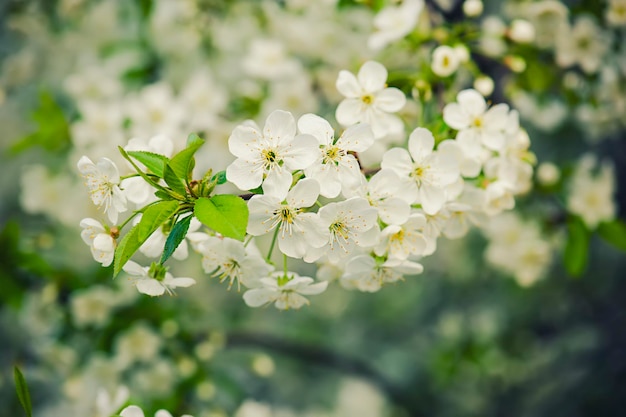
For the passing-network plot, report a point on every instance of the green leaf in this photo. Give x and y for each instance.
(182, 163)
(177, 234)
(614, 232)
(154, 216)
(52, 132)
(153, 161)
(174, 181)
(577, 247)
(162, 195)
(125, 249)
(22, 391)
(139, 171)
(225, 213)
(220, 177)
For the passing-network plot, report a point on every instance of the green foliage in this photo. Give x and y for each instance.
(14, 263)
(174, 181)
(153, 161)
(183, 162)
(22, 391)
(226, 214)
(576, 251)
(153, 217)
(219, 178)
(614, 232)
(177, 234)
(52, 132)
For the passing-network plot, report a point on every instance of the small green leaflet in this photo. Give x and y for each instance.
(225, 213)
(152, 219)
(614, 232)
(174, 181)
(182, 163)
(177, 234)
(153, 161)
(220, 177)
(577, 247)
(22, 391)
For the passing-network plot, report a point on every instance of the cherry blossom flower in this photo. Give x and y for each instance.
(427, 173)
(269, 156)
(395, 22)
(351, 225)
(285, 290)
(445, 61)
(155, 280)
(385, 192)
(335, 167)
(103, 180)
(368, 274)
(297, 231)
(228, 259)
(470, 114)
(369, 100)
(399, 242)
(100, 241)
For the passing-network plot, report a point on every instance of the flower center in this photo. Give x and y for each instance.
(270, 158)
(333, 154)
(367, 99)
(478, 122)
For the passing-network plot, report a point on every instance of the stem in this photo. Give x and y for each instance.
(285, 265)
(269, 254)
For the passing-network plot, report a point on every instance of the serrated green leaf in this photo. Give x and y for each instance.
(576, 250)
(22, 391)
(153, 161)
(183, 162)
(614, 232)
(225, 213)
(154, 216)
(174, 181)
(139, 171)
(177, 234)
(220, 177)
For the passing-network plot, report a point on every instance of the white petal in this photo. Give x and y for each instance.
(390, 100)
(261, 208)
(150, 286)
(348, 85)
(314, 289)
(259, 296)
(472, 102)
(132, 411)
(357, 138)
(372, 76)
(421, 144)
(133, 268)
(398, 160)
(277, 182)
(455, 117)
(317, 126)
(162, 413)
(303, 152)
(183, 282)
(432, 198)
(243, 142)
(350, 111)
(244, 175)
(304, 193)
(280, 127)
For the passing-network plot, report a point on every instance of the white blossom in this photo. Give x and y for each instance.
(395, 22)
(154, 284)
(99, 239)
(103, 180)
(284, 290)
(335, 167)
(270, 155)
(369, 100)
(368, 274)
(426, 172)
(297, 230)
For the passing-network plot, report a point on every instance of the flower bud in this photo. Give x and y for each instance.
(445, 61)
(522, 31)
(548, 174)
(515, 63)
(484, 85)
(473, 8)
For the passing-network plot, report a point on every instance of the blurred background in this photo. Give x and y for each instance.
(494, 326)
